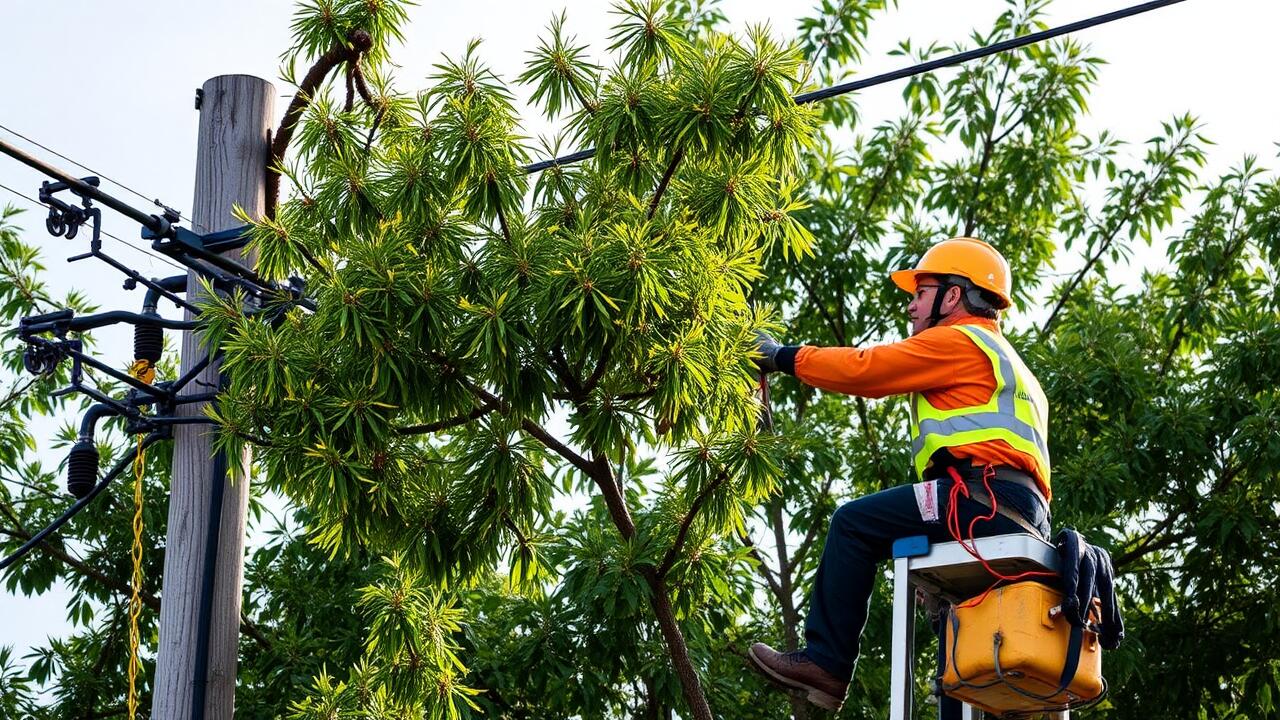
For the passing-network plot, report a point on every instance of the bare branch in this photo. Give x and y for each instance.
(676, 157)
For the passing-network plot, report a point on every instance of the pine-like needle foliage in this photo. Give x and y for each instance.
(473, 341)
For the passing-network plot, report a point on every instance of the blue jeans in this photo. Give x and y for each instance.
(861, 536)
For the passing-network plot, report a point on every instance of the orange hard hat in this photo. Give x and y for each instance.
(967, 257)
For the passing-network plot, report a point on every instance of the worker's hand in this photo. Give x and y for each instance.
(768, 348)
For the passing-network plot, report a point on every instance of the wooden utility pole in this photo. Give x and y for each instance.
(235, 114)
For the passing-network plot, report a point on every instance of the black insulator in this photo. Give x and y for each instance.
(148, 343)
(82, 468)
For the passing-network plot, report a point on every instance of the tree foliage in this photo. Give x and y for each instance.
(518, 436)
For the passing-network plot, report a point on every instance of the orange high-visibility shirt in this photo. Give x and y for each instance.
(940, 362)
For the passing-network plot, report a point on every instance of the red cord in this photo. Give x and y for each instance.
(953, 527)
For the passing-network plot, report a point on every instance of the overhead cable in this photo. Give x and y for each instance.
(919, 68)
(90, 170)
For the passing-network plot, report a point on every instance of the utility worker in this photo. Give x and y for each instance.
(978, 420)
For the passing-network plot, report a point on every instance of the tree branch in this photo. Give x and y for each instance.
(1233, 247)
(1022, 117)
(44, 492)
(351, 88)
(765, 571)
(247, 627)
(515, 530)
(1153, 540)
(560, 365)
(837, 328)
(676, 157)
(1111, 235)
(502, 221)
(363, 88)
(602, 364)
(687, 522)
(988, 148)
(786, 599)
(597, 469)
(358, 42)
(802, 550)
(452, 422)
(23, 284)
(373, 130)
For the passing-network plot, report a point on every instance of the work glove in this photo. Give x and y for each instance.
(768, 348)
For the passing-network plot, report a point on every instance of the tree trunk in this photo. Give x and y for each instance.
(677, 647)
(787, 603)
(610, 489)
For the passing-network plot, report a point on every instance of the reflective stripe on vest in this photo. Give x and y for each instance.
(1017, 412)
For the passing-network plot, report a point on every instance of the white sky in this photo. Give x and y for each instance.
(112, 86)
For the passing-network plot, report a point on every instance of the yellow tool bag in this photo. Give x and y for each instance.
(1013, 652)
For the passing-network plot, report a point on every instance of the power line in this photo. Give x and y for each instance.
(930, 65)
(139, 248)
(46, 148)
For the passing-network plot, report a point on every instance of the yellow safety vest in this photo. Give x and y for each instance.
(1017, 412)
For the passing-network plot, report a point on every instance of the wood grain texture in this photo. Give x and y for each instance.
(230, 167)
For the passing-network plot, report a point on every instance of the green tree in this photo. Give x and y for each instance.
(1161, 386)
(460, 312)
(518, 437)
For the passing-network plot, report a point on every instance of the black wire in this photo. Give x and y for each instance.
(46, 148)
(79, 505)
(923, 67)
(982, 52)
(139, 248)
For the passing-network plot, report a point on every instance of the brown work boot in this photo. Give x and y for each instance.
(795, 671)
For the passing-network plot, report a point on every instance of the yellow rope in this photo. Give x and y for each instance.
(146, 372)
(135, 599)
(143, 370)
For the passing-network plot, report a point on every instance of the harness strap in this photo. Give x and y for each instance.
(979, 493)
(1074, 646)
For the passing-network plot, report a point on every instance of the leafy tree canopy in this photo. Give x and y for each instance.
(519, 436)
